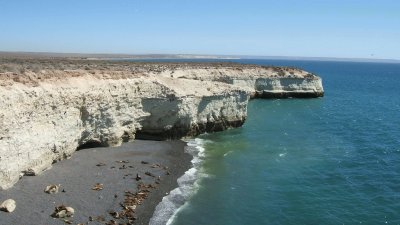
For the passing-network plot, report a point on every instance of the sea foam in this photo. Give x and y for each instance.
(170, 205)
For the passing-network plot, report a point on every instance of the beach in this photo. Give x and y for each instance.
(97, 182)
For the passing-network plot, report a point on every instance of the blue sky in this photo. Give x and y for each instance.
(319, 28)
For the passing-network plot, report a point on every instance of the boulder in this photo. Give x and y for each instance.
(8, 205)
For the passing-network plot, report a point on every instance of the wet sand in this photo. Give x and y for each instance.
(79, 174)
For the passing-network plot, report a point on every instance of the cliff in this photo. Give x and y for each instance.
(49, 111)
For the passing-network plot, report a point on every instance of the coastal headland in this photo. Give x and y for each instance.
(52, 107)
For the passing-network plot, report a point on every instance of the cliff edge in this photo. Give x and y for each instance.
(52, 107)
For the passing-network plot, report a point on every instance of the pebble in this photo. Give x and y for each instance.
(52, 189)
(115, 215)
(155, 166)
(133, 207)
(98, 187)
(63, 212)
(122, 167)
(149, 174)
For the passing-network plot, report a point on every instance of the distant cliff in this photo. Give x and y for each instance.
(51, 109)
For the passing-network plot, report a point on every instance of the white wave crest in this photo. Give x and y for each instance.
(187, 185)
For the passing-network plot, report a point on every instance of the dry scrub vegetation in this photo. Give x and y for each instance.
(31, 71)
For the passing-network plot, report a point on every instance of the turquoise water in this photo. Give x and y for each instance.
(332, 160)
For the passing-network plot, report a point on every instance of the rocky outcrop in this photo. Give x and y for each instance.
(288, 87)
(46, 118)
(260, 82)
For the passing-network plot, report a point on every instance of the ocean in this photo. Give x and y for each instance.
(330, 160)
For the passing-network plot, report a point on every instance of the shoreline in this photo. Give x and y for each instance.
(115, 168)
(169, 207)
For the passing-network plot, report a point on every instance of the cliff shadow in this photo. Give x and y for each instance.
(164, 121)
(90, 144)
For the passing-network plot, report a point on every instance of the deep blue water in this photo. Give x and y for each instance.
(332, 160)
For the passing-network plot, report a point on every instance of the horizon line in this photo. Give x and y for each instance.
(202, 56)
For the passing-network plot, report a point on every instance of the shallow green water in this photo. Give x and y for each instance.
(332, 160)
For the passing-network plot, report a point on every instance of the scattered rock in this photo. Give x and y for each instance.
(115, 215)
(122, 161)
(112, 222)
(52, 189)
(149, 174)
(132, 207)
(122, 167)
(8, 205)
(132, 200)
(138, 177)
(98, 187)
(155, 166)
(150, 186)
(144, 162)
(101, 164)
(63, 211)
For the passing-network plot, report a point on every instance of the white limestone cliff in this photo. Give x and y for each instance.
(46, 122)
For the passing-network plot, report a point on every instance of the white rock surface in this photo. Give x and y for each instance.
(52, 189)
(45, 123)
(8, 205)
(63, 212)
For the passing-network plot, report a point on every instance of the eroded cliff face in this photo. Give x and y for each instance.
(46, 122)
(260, 82)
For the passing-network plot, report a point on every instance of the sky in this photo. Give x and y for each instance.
(310, 28)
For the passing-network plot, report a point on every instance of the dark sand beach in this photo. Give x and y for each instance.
(114, 168)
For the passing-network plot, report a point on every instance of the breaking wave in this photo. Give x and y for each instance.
(187, 186)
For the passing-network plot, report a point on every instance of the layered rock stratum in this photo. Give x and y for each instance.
(52, 107)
